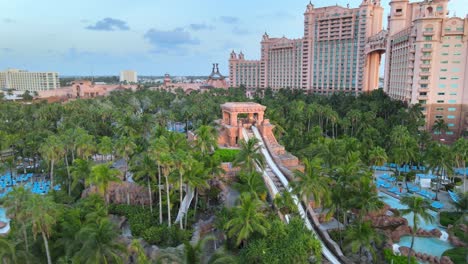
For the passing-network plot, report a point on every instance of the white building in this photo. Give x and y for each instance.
(128, 76)
(22, 80)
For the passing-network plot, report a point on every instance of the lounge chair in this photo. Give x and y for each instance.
(437, 205)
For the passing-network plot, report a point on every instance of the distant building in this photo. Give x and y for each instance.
(427, 56)
(128, 76)
(215, 80)
(84, 89)
(331, 57)
(22, 80)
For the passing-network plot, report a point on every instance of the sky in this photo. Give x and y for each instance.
(153, 37)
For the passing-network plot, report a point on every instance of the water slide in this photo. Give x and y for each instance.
(185, 204)
(284, 181)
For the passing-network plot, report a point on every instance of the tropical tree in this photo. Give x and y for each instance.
(362, 235)
(439, 127)
(312, 182)
(7, 251)
(419, 207)
(101, 175)
(80, 171)
(52, 149)
(460, 152)
(144, 168)
(440, 161)
(377, 156)
(98, 240)
(206, 139)
(105, 146)
(125, 147)
(248, 219)
(43, 213)
(249, 156)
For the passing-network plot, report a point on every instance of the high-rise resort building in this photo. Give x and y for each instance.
(128, 76)
(21, 80)
(427, 56)
(331, 57)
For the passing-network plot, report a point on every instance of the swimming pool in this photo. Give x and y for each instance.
(3, 218)
(429, 245)
(395, 203)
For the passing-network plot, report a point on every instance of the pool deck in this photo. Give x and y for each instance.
(443, 195)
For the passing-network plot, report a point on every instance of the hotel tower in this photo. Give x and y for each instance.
(331, 57)
(426, 62)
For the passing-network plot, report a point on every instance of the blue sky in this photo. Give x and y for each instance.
(153, 37)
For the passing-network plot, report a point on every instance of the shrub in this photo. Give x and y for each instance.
(392, 258)
(226, 155)
(457, 255)
(449, 218)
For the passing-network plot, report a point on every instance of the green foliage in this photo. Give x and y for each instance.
(165, 236)
(392, 258)
(284, 243)
(457, 255)
(449, 218)
(226, 155)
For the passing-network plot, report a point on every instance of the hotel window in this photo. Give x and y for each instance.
(439, 116)
(446, 37)
(425, 78)
(427, 46)
(456, 62)
(440, 93)
(452, 101)
(451, 109)
(449, 133)
(426, 54)
(459, 29)
(444, 62)
(423, 85)
(444, 53)
(439, 8)
(454, 85)
(456, 69)
(429, 29)
(451, 117)
(427, 37)
(440, 101)
(454, 78)
(440, 109)
(458, 45)
(447, 29)
(450, 124)
(446, 45)
(457, 53)
(443, 70)
(458, 37)
(443, 78)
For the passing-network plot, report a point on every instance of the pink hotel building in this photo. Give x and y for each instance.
(426, 57)
(331, 57)
(426, 62)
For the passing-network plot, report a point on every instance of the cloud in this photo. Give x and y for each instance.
(109, 24)
(8, 20)
(198, 27)
(240, 31)
(166, 40)
(229, 19)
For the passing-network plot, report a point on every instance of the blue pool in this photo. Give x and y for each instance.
(429, 245)
(395, 203)
(3, 218)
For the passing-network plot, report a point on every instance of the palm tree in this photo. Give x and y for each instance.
(248, 219)
(440, 160)
(249, 156)
(252, 182)
(460, 151)
(101, 176)
(7, 251)
(125, 147)
(43, 213)
(439, 127)
(80, 171)
(98, 240)
(136, 248)
(52, 150)
(144, 169)
(196, 178)
(419, 207)
(361, 236)
(105, 146)
(285, 204)
(312, 182)
(377, 156)
(206, 140)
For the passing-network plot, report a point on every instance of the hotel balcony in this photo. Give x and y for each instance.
(426, 57)
(411, 57)
(425, 66)
(428, 33)
(422, 97)
(423, 82)
(412, 50)
(424, 74)
(422, 90)
(426, 49)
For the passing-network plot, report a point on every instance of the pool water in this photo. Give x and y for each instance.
(395, 203)
(3, 218)
(429, 245)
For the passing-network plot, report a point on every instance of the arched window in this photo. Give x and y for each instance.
(429, 10)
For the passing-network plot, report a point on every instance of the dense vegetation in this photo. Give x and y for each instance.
(75, 143)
